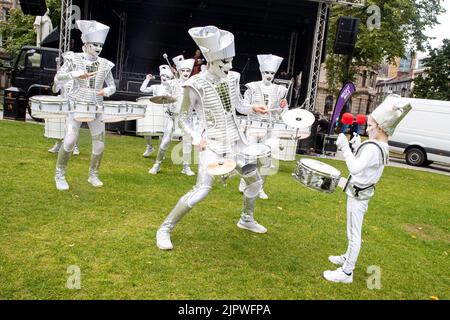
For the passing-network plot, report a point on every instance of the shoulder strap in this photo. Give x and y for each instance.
(384, 156)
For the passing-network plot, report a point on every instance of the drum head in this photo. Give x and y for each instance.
(320, 167)
(43, 98)
(221, 167)
(256, 150)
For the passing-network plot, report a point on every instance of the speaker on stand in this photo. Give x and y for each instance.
(33, 7)
(346, 34)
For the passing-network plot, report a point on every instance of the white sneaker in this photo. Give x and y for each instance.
(263, 195)
(337, 260)
(251, 226)
(61, 183)
(338, 275)
(154, 170)
(163, 240)
(187, 171)
(95, 181)
(148, 152)
(242, 185)
(75, 151)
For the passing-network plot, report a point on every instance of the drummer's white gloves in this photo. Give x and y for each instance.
(76, 74)
(355, 141)
(343, 145)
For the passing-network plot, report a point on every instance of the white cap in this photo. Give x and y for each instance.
(165, 69)
(180, 63)
(92, 31)
(390, 112)
(214, 43)
(269, 62)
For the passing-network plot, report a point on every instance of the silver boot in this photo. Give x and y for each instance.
(253, 187)
(187, 170)
(60, 174)
(159, 158)
(56, 147)
(94, 170)
(163, 234)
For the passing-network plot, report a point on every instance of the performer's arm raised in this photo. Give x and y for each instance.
(144, 87)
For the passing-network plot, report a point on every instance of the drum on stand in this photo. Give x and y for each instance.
(254, 152)
(55, 128)
(155, 120)
(317, 175)
(46, 107)
(135, 111)
(114, 111)
(84, 111)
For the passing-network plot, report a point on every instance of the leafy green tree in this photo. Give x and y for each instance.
(435, 82)
(401, 29)
(19, 31)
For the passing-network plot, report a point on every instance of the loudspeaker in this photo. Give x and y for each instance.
(346, 32)
(33, 7)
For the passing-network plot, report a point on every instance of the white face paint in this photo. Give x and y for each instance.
(185, 73)
(221, 68)
(93, 49)
(267, 76)
(373, 130)
(164, 78)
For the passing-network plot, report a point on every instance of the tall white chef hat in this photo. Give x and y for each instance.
(269, 62)
(390, 112)
(181, 63)
(92, 31)
(215, 44)
(164, 69)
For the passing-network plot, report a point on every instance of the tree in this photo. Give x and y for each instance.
(19, 31)
(402, 29)
(435, 82)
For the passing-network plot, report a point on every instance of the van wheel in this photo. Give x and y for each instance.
(415, 157)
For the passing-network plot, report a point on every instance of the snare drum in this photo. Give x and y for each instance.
(155, 120)
(84, 111)
(45, 107)
(255, 152)
(135, 110)
(317, 175)
(114, 111)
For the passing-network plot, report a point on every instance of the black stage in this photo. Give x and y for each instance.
(155, 27)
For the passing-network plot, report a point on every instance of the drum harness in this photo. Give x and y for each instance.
(355, 187)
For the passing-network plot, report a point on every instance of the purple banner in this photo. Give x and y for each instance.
(344, 95)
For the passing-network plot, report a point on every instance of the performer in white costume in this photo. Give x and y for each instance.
(184, 69)
(273, 96)
(162, 89)
(214, 94)
(89, 73)
(365, 167)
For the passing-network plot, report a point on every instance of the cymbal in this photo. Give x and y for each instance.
(163, 99)
(221, 167)
(298, 118)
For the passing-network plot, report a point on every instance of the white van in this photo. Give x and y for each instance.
(424, 134)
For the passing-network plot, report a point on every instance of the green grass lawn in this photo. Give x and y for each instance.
(110, 232)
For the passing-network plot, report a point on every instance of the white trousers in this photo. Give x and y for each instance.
(97, 129)
(167, 138)
(355, 216)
